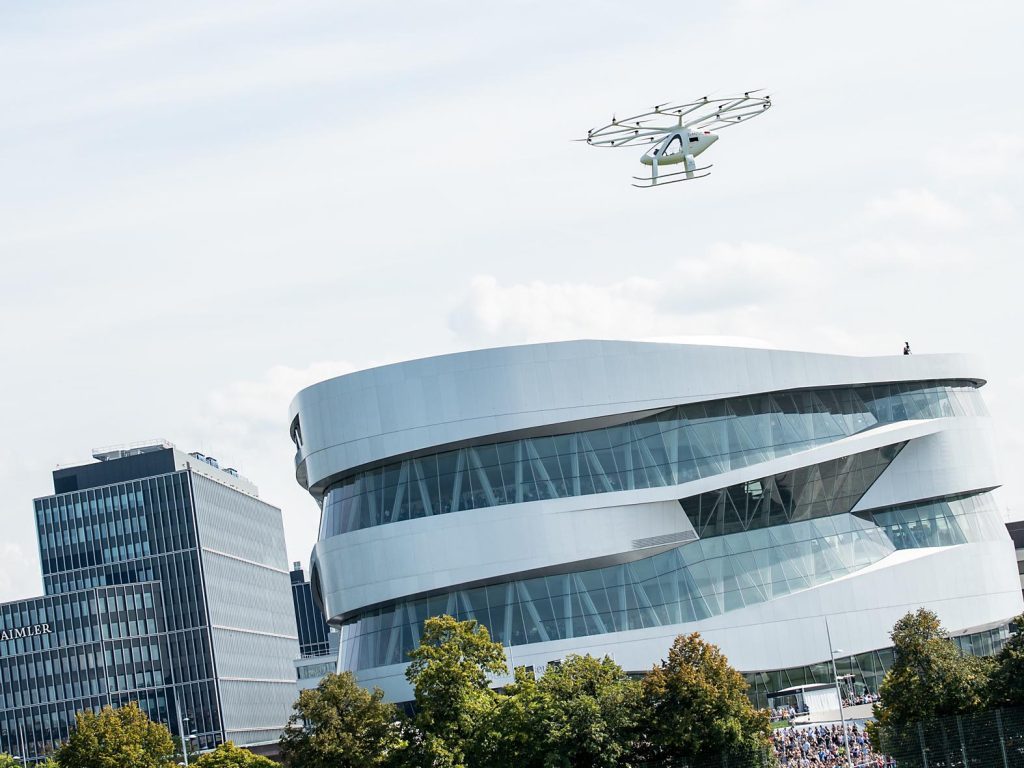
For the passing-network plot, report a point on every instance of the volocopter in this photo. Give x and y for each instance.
(678, 133)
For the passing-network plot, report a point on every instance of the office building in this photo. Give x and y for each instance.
(318, 644)
(79, 650)
(312, 628)
(603, 497)
(165, 582)
(310, 670)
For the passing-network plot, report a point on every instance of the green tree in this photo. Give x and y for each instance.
(117, 738)
(583, 712)
(515, 731)
(451, 673)
(338, 724)
(930, 676)
(9, 761)
(1006, 685)
(227, 755)
(696, 708)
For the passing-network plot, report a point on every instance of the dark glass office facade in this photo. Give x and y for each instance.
(313, 630)
(165, 583)
(86, 649)
(140, 531)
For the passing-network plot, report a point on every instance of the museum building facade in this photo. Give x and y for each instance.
(605, 496)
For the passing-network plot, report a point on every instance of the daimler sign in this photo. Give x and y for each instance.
(30, 631)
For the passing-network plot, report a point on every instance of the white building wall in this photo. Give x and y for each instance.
(381, 412)
(375, 415)
(251, 614)
(965, 585)
(388, 562)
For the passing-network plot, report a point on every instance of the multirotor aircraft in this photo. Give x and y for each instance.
(678, 133)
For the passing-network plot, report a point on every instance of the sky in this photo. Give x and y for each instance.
(207, 206)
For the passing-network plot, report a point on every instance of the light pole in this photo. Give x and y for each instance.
(839, 693)
(22, 741)
(181, 730)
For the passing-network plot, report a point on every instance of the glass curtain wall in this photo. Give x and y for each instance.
(692, 582)
(941, 522)
(103, 646)
(139, 531)
(865, 670)
(806, 493)
(675, 446)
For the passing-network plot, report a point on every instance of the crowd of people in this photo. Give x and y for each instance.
(823, 746)
(786, 712)
(864, 698)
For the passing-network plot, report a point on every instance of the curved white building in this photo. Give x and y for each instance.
(604, 496)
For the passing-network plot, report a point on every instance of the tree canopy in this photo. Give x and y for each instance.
(696, 706)
(339, 724)
(9, 761)
(451, 674)
(1006, 685)
(227, 755)
(930, 675)
(117, 738)
(582, 712)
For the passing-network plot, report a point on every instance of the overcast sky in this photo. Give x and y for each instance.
(206, 206)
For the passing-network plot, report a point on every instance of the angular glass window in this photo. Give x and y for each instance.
(674, 446)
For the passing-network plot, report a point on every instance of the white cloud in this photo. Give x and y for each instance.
(250, 405)
(541, 310)
(19, 576)
(732, 275)
(920, 206)
(245, 423)
(999, 209)
(888, 252)
(987, 154)
(735, 278)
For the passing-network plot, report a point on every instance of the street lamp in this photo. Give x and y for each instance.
(181, 730)
(835, 678)
(21, 742)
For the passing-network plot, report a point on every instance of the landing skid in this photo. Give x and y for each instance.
(673, 181)
(656, 181)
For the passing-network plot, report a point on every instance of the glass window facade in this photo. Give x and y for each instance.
(675, 446)
(943, 522)
(726, 571)
(138, 531)
(688, 583)
(867, 669)
(313, 630)
(315, 670)
(806, 493)
(75, 651)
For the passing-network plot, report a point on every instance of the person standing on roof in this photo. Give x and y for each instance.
(906, 347)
